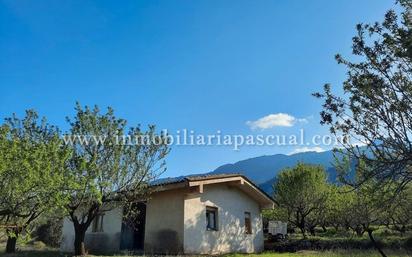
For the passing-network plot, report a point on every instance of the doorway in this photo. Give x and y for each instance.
(133, 229)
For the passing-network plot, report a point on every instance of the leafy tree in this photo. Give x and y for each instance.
(32, 173)
(301, 191)
(367, 205)
(276, 213)
(338, 205)
(108, 173)
(328, 215)
(377, 103)
(367, 212)
(399, 214)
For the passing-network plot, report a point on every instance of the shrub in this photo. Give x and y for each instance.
(408, 243)
(322, 244)
(39, 245)
(50, 233)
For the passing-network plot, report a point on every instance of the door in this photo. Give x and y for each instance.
(133, 229)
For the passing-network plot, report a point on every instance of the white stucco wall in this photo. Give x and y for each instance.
(106, 241)
(176, 223)
(230, 237)
(164, 222)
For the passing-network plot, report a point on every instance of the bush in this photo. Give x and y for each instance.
(322, 243)
(50, 233)
(408, 243)
(39, 245)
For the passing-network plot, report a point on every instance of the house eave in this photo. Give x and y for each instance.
(196, 185)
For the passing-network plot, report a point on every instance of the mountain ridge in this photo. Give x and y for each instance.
(263, 169)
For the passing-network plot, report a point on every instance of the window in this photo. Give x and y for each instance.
(98, 223)
(211, 218)
(248, 223)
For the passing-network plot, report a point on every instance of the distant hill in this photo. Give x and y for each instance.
(263, 170)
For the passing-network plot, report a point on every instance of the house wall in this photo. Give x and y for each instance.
(230, 237)
(176, 223)
(106, 241)
(164, 222)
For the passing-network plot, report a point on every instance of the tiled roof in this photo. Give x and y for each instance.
(166, 181)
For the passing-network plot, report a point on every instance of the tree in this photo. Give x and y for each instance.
(32, 173)
(367, 211)
(377, 103)
(399, 214)
(367, 204)
(301, 191)
(338, 205)
(277, 213)
(108, 172)
(329, 214)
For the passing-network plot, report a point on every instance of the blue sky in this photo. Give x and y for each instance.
(200, 65)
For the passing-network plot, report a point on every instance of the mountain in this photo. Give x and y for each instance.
(263, 170)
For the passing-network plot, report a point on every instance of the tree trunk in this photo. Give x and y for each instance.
(303, 231)
(301, 224)
(79, 235)
(80, 229)
(11, 244)
(375, 243)
(312, 231)
(403, 230)
(359, 231)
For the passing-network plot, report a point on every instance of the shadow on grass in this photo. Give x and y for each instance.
(35, 253)
(306, 253)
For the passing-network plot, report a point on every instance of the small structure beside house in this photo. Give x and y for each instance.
(209, 214)
(277, 228)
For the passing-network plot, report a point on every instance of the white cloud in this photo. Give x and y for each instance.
(307, 149)
(274, 120)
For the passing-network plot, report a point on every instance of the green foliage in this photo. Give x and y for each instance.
(301, 192)
(377, 104)
(280, 214)
(337, 205)
(108, 172)
(32, 172)
(399, 215)
(50, 232)
(375, 111)
(370, 204)
(307, 201)
(40, 174)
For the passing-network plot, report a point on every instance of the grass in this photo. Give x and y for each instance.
(331, 240)
(390, 240)
(335, 253)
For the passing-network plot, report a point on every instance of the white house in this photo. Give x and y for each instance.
(210, 214)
